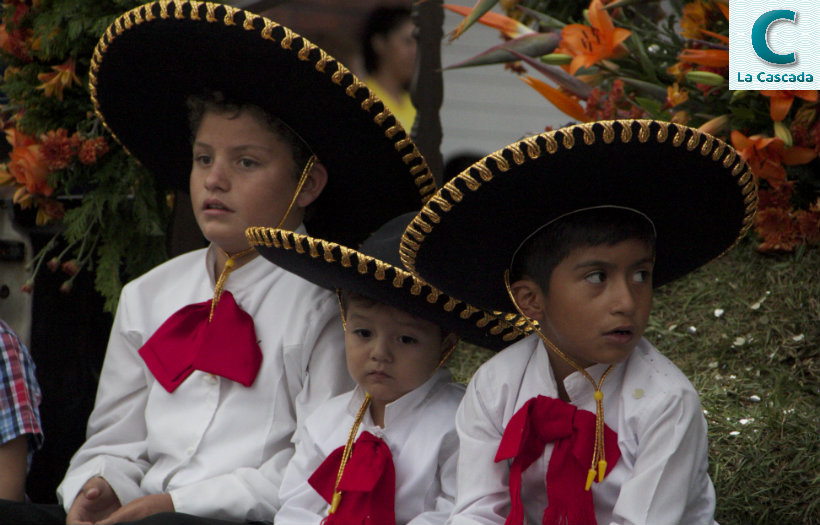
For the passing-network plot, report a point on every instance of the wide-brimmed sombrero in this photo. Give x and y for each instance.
(698, 192)
(375, 271)
(153, 57)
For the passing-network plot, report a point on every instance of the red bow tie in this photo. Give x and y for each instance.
(543, 420)
(186, 341)
(368, 483)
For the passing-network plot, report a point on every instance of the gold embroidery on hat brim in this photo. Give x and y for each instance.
(307, 51)
(509, 328)
(549, 143)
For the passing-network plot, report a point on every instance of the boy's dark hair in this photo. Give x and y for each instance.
(217, 102)
(381, 21)
(543, 251)
(346, 297)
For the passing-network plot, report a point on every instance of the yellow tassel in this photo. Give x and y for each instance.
(334, 504)
(601, 470)
(590, 477)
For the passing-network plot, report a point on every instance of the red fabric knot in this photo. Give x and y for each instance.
(186, 341)
(545, 420)
(368, 483)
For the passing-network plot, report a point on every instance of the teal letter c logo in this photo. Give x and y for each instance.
(761, 28)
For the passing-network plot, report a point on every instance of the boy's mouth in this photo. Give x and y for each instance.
(214, 204)
(621, 334)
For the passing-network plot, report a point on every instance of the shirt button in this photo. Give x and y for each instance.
(190, 451)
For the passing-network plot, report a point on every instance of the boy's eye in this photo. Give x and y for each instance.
(407, 340)
(364, 333)
(595, 277)
(202, 159)
(247, 163)
(642, 276)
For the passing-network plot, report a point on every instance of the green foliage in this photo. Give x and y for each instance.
(745, 329)
(117, 228)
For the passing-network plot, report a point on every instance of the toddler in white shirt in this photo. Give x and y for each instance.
(399, 463)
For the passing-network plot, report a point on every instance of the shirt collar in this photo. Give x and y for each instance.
(250, 270)
(400, 409)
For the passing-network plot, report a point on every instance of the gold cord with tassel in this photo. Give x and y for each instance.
(599, 464)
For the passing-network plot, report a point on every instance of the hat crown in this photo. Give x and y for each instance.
(383, 244)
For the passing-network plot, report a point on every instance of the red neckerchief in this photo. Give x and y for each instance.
(186, 341)
(545, 420)
(368, 483)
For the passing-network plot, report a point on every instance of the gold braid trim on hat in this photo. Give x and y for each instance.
(484, 171)
(331, 252)
(323, 63)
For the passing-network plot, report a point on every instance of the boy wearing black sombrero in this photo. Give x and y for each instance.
(585, 422)
(399, 461)
(215, 356)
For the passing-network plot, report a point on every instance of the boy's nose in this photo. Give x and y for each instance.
(380, 350)
(217, 177)
(623, 297)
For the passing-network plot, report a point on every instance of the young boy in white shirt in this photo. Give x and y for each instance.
(215, 357)
(398, 333)
(584, 422)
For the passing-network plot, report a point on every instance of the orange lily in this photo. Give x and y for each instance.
(767, 155)
(676, 96)
(591, 44)
(63, 77)
(508, 26)
(559, 99)
(780, 101)
(705, 57)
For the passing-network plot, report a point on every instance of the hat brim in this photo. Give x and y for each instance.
(700, 195)
(155, 56)
(333, 266)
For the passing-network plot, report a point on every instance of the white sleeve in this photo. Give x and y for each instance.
(447, 465)
(670, 483)
(301, 504)
(326, 375)
(482, 484)
(115, 447)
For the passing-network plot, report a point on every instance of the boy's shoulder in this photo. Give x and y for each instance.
(171, 270)
(647, 365)
(507, 365)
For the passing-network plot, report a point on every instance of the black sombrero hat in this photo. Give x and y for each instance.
(698, 192)
(153, 57)
(376, 272)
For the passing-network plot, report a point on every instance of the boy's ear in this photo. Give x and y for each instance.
(530, 299)
(315, 182)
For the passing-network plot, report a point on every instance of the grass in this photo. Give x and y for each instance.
(745, 329)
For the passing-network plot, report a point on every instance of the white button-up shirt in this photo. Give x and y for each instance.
(218, 448)
(419, 429)
(661, 477)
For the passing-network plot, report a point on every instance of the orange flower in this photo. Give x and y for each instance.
(506, 25)
(566, 103)
(27, 164)
(92, 149)
(591, 44)
(58, 148)
(705, 57)
(778, 230)
(780, 101)
(767, 155)
(63, 77)
(693, 19)
(49, 210)
(676, 96)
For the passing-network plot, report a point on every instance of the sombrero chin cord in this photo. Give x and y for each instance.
(598, 454)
